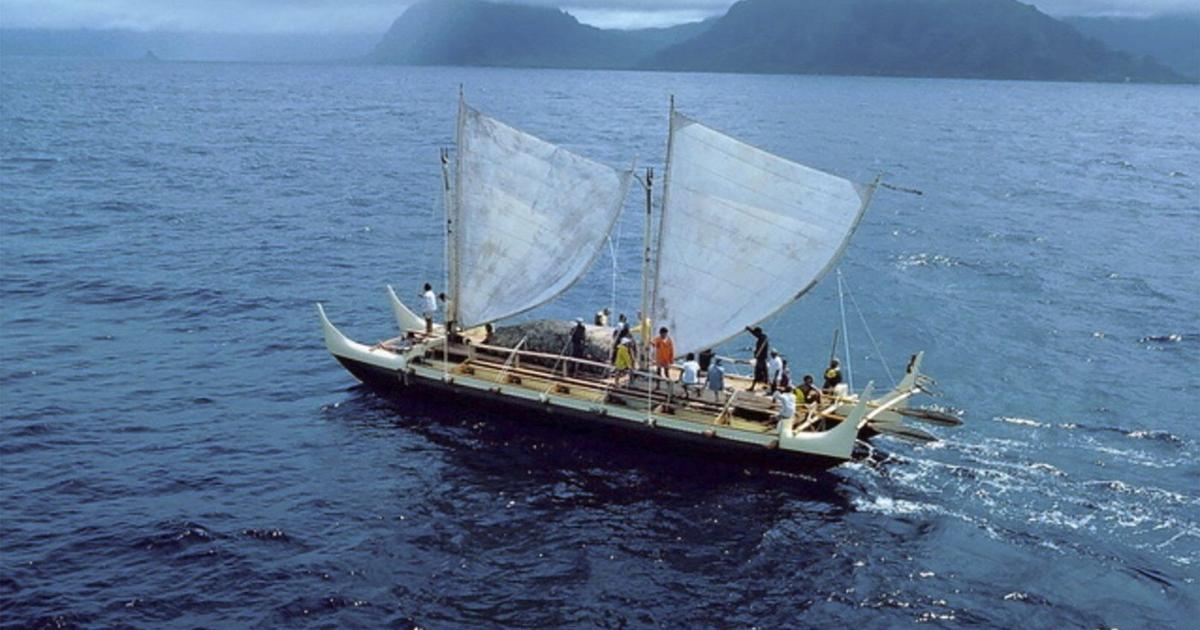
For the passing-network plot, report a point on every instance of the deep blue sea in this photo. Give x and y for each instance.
(177, 449)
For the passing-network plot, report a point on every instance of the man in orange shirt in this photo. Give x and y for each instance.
(664, 353)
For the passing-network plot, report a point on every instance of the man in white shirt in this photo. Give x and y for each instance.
(690, 376)
(429, 307)
(787, 407)
(774, 370)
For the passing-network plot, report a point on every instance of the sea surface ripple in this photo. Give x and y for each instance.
(177, 449)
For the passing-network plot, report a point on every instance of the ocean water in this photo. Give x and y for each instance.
(177, 449)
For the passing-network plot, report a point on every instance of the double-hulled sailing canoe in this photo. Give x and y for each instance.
(742, 234)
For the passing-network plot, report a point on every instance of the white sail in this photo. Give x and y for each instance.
(743, 233)
(527, 220)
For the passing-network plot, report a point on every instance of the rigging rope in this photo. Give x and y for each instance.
(861, 318)
(612, 254)
(845, 331)
(613, 250)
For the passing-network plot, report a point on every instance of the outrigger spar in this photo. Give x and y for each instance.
(742, 234)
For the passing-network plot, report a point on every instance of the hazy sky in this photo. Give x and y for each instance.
(365, 16)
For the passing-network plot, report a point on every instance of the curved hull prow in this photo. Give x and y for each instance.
(372, 365)
(406, 320)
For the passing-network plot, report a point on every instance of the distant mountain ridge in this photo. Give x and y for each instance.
(1173, 40)
(1000, 39)
(477, 33)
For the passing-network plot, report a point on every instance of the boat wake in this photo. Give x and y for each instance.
(1015, 489)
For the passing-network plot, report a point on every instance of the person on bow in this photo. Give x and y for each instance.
(833, 375)
(761, 347)
(429, 307)
(602, 317)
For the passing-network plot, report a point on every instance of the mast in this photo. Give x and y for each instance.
(644, 347)
(448, 207)
(662, 219)
(649, 186)
(453, 211)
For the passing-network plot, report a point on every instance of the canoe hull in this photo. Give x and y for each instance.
(392, 384)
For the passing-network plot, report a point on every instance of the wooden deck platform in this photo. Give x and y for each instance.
(595, 382)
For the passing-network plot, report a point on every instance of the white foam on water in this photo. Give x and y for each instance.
(892, 507)
(1141, 458)
(1047, 468)
(1021, 421)
(1058, 518)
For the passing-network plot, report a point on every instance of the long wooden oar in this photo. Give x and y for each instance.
(903, 432)
(939, 418)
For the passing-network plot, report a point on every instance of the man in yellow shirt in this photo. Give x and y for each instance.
(623, 359)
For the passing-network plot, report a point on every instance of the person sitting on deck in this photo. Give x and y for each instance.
(664, 354)
(578, 338)
(787, 406)
(716, 379)
(774, 368)
(761, 345)
(833, 375)
(810, 397)
(623, 360)
(809, 394)
(690, 376)
(429, 307)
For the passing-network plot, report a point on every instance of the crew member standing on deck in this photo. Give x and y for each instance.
(664, 354)
(787, 407)
(623, 363)
(761, 347)
(706, 359)
(429, 307)
(716, 379)
(774, 369)
(620, 332)
(578, 338)
(622, 324)
(690, 375)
